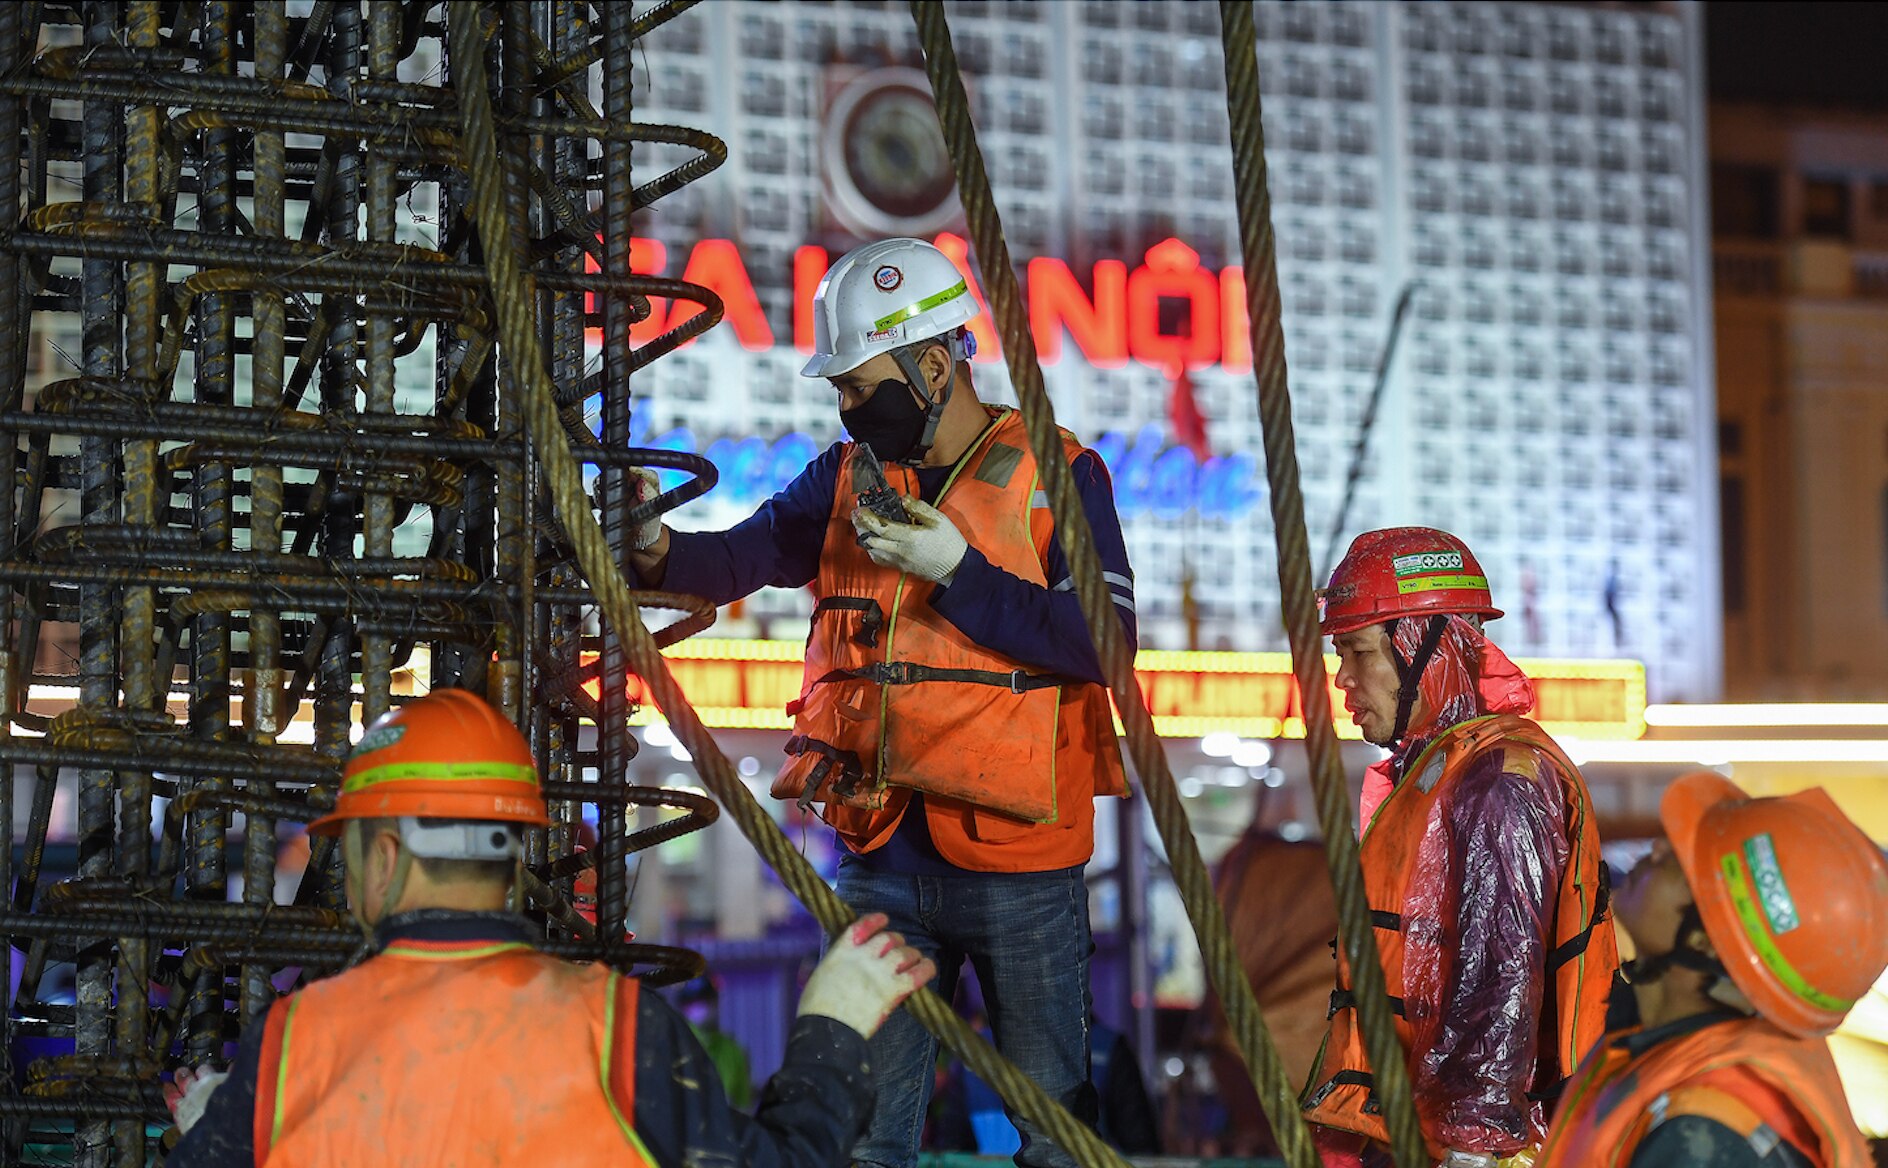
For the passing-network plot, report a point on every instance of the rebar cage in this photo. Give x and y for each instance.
(270, 480)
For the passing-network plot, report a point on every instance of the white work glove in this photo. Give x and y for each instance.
(189, 1093)
(929, 548)
(864, 976)
(644, 486)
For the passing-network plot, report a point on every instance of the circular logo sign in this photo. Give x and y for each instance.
(885, 166)
(888, 278)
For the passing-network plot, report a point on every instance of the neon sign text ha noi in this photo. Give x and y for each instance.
(1119, 321)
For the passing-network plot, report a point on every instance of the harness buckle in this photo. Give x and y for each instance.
(892, 673)
(1017, 677)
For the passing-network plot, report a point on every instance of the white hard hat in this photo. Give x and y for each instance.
(881, 297)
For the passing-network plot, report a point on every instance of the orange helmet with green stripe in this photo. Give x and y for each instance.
(448, 755)
(1793, 896)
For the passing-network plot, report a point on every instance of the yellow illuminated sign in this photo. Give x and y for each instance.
(746, 684)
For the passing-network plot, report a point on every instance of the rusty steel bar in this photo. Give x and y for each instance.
(285, 484)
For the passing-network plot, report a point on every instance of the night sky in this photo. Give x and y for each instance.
(1819, 54)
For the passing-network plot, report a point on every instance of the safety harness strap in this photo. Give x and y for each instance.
(869, 624)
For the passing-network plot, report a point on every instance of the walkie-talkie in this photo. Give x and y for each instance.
(875, 493)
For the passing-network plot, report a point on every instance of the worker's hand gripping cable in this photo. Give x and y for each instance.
(929, 547)
(866, 974)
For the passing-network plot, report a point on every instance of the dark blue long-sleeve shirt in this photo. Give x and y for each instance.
(779, 546)
(810, 1113)
(1042, 627)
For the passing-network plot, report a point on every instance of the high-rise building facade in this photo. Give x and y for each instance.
(1801, 219)
(1532, 174)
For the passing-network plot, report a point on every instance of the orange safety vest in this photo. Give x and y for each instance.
(896, 699)
(1582, 962)
(452, 1053)
(1755, 1079)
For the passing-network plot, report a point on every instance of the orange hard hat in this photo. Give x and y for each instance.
(1793, 896)
(1403, 571)
(448, 755)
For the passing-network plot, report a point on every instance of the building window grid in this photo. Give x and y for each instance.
(1487, 137)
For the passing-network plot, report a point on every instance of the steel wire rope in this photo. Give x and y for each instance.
(1190, 873)
(1297, 601)
(512, 291)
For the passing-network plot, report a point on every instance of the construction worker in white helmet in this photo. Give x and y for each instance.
(953, 726)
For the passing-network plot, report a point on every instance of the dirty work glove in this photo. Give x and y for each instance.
(189, 1093)
(929, 547)
(644, 486)
(864, 976)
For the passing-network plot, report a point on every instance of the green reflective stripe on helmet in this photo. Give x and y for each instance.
(925, 305)
(1744, 900)
(504, 772)
(1411, 584)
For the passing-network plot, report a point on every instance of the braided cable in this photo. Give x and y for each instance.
(513, 293)
(1297, 601)
(1191, 876)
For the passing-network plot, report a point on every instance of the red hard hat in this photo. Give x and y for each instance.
(1793, 896)
(1403, 571)
(448, 755)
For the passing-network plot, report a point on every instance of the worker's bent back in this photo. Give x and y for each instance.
(461, 1053)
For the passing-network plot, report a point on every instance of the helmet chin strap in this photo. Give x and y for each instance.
(1682, 955)
(915, 378)
(1409, 674)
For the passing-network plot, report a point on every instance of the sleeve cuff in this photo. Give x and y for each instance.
(829, 1040)
(963, 584)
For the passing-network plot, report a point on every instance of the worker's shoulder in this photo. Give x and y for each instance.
(1516, 747)
(1512, 769)
(1701, 1127)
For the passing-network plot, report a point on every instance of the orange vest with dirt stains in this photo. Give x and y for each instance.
(1759, 1081)
(1582, 959)
(452, 1053)
(897, 699)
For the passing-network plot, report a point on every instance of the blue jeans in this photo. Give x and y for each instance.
(1026, 935)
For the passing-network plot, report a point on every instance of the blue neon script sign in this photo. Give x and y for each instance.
(1151, 478)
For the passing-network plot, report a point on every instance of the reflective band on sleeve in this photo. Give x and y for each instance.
(499, 772)
(1743, 898)
(922, 306)
(1434, 583)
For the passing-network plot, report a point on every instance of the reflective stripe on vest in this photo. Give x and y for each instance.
(1583, 954)
(896, 696)
(1614, 1100)
(451, 1053)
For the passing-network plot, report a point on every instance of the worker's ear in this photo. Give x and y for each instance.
(938, 369)
(380, 854)
(385, 852)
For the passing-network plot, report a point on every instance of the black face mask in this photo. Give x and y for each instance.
(891, 421)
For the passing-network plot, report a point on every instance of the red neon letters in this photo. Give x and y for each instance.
(1118, 318)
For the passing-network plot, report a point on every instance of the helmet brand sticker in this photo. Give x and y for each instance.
(1423, 563)
(380, 737)
(1772, 893)
(887, 278)
(886, 334)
